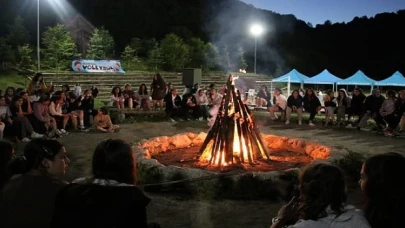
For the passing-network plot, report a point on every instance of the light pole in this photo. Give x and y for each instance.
(256, 31)
(38, 37)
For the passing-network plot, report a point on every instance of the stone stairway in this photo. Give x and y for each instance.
(105, 82)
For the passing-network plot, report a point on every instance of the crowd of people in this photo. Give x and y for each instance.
(42, 111)
(34, 194)
(387, 112)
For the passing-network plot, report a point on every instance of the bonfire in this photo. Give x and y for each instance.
(234, 139)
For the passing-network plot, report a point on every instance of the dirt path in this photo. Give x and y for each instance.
(177, 211)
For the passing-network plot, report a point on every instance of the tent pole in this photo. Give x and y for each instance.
(289, 86)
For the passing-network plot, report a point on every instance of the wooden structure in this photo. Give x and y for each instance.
(234, 138)
(81, 31)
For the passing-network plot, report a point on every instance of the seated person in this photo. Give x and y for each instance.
(55, 109)
(76, 113)
(280, 104)
(372, 106)
(330, 103)
(400, 109)
(85, 103)
(202, 103)
(312, 105)
(41, 112)
(109, 198)
(294, 104)
(28, 197)
(130, 98)
(388, 112)
(320, 202)
(144, 97)
(173, 105)
(103, 123)
(117, 97)
(263, 97)
(189, 103)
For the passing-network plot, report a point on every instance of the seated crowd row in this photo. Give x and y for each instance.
(387, 112)
(33, 193)
(39, 111)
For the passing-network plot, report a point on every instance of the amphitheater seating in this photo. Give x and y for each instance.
(105, 82)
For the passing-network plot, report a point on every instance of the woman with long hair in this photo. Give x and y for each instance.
(27, 199)
(37, 83)
(144, 96)
(383, 185)
(158, 89)
(321, 201)
(110, 197)
(311, 105)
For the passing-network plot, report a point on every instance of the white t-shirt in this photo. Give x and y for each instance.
(281, 100)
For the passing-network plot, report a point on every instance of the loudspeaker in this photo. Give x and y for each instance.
(191, 76)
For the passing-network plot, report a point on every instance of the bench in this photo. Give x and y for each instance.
(120, 113)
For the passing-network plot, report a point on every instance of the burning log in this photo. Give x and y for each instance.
(234, 138)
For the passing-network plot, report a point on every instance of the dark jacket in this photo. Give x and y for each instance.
(28, 201)
(400, 107)
(357, 103)
(86, 104)
(91, 205)
(311, 104)
(266, 97)
(169, 102)
(373, 103)
(291, 101)
(185, 100)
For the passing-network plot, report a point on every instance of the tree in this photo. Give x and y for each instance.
(24, 56)
(196, 52)
(225, 59)
(101, 44)
(155, 58)
(211, 56)
(241, 59)
(59, 47)
(6, 52)
(174, 52)
(128, 56)
(18, 34)
(136, 45)
(147, 45)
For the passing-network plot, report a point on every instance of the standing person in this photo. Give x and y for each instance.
(158, 89)
(311, 105)
(28, 198)
(280, 104)
(294, 104)
(37, 83)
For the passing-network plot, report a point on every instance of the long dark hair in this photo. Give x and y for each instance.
(6, 155)
(119, 92)
(145, 92)
(113, 160)
(385, 190)
(321, 185)
(36, 77)
(34, 153)
(159, 81)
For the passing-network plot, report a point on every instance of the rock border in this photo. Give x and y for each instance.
(150, 171)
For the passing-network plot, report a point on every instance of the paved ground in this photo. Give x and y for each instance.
(178, 211)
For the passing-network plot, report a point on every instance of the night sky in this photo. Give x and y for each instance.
(318, 11)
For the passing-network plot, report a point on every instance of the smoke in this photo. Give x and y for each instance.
(229, 29)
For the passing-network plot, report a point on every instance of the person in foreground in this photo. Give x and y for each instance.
(107, 199)
(27, 199)
(383, 185)
(321, 201)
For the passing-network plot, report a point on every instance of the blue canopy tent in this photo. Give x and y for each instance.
(323, 78)
(359, 78)
(291, 77)
(397, 79)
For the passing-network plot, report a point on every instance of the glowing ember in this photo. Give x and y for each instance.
(234, 137)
